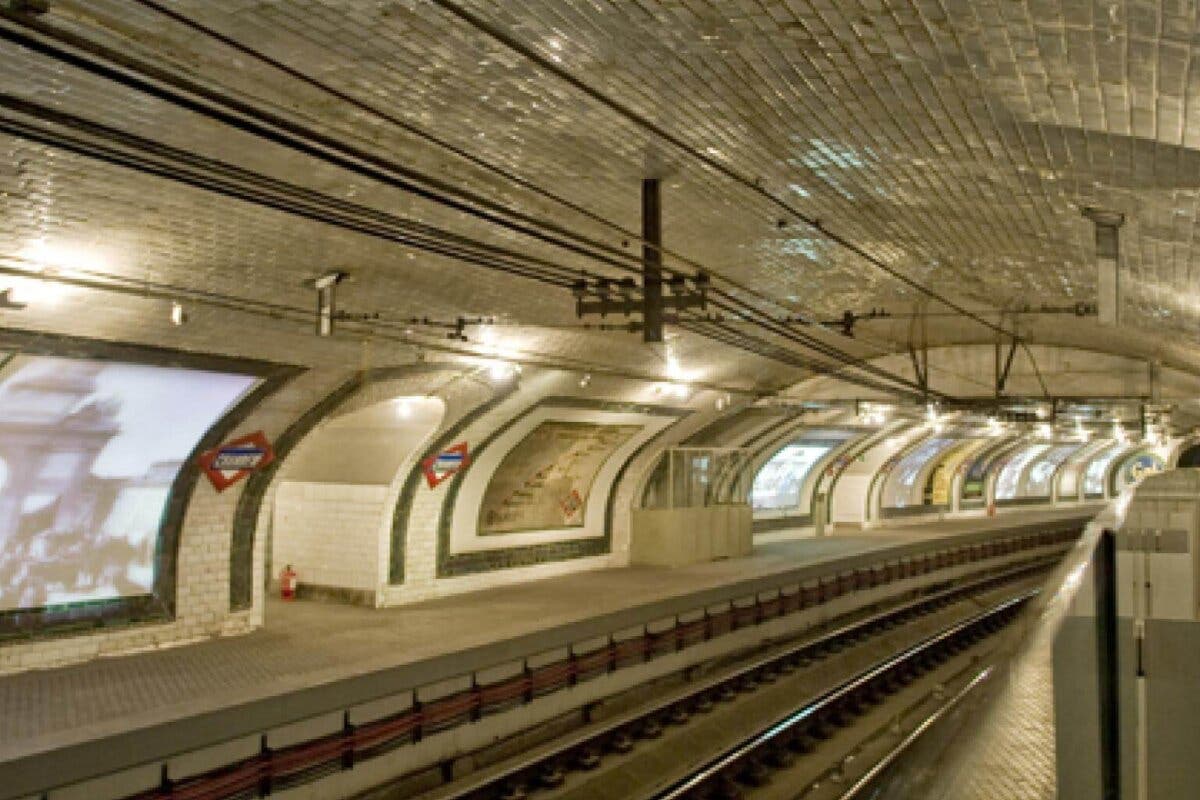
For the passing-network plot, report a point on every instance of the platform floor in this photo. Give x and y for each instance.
(308, 644)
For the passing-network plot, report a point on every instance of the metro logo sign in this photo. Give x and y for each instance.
(234, 460)
(449, 462)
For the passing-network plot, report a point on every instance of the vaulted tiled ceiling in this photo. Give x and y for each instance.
(955, 142)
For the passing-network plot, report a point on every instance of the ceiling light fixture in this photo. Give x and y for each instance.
(503, 370)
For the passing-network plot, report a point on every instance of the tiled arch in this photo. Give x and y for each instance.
(248, 515)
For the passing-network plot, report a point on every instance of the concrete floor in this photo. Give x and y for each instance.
(309, 644)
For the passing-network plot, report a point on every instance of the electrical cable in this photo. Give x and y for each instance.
(378, 223)
(290, 141)
(380, 329)
(647, 124)
(421, 133)
(767, 350)
(273, 128)
(477, 161)
(563, 280)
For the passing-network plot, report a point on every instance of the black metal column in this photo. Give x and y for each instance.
(1105, 566)
(652, 310)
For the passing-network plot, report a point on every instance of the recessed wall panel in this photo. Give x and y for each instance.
(89, 450)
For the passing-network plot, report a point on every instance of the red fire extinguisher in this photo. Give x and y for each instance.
(287, 583)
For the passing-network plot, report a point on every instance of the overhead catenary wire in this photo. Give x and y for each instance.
(111, 155)
(247, 186)
(767, 350)
(714, 164)
(460, 152)
(183, 92)
(473, 159)
(386, 330)
(240, 121)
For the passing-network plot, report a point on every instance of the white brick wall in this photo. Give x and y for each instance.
(421, 582)
(328, 532)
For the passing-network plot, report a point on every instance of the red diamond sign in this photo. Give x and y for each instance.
(452, 460)
(234, 460)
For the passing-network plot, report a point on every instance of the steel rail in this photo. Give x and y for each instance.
(720, 766)
(877, 769)
(832, 639)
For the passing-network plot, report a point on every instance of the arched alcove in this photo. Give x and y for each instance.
(330, 512)
(783, 484)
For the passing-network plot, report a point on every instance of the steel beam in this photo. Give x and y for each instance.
(652, 294)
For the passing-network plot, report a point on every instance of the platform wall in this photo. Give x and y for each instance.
(332, 535)
(434, 529)
(203, 571)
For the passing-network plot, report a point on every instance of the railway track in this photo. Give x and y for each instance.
(771, 755)
(601, 760)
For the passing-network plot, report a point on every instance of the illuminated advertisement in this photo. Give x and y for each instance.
(898, 489)
(1138, 467)
(779, 482)
(1040, 474)
(544, 481)
(976, 477)
(88, 453)
(1093, 476)
(941, 480)
(1010, 476)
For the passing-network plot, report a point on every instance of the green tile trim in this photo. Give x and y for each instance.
(457, 564)
(245, 521)
(160, 605)
(400, 515)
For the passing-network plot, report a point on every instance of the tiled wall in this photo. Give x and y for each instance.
(329, 533)
(420, 510)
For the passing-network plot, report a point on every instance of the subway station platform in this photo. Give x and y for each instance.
(313, 658)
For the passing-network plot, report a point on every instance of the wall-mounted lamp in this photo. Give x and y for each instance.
(178, 315)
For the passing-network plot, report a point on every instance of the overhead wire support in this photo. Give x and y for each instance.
(159, 82)
(449, 147)
(712, 163)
